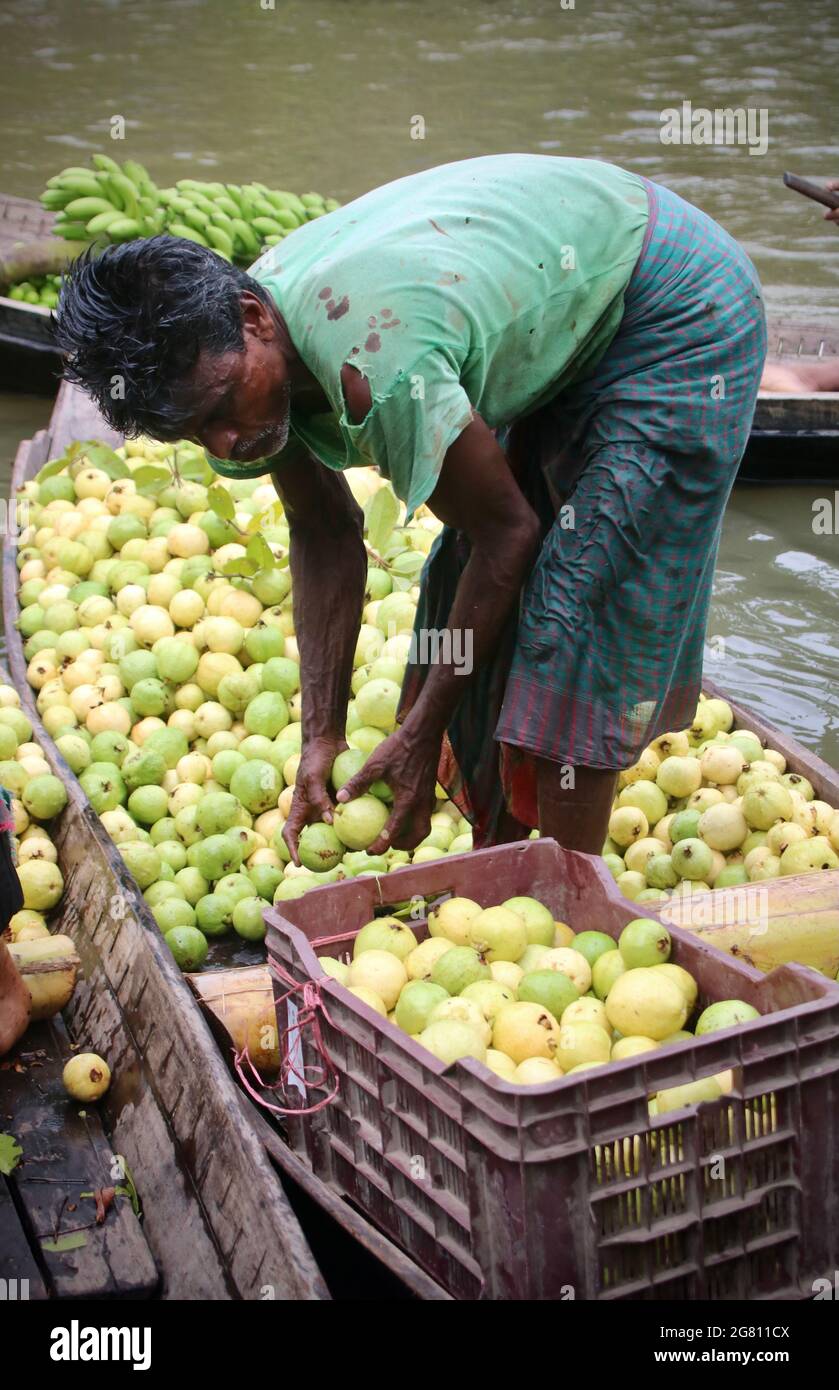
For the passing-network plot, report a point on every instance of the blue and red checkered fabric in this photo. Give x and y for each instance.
(630, 470)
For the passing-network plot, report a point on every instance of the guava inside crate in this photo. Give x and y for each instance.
(571, 1189)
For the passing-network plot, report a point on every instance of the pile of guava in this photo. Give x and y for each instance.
(534, 1001)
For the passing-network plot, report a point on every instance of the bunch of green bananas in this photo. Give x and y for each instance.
(110, 201)
(113, 204)
(40, 289)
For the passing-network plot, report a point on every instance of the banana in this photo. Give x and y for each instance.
(247, 240)
(188, 233)
(194, 217)
(226, 204)
(54, 199)
(79, 186)
(102, 221)
(124, 229)
(311, 200)
(288, 219)
(139, 176)
(266, 226)
(331, 204)
(124, 190)
(73, 171)
(105, 163)
(85, 208)
(219, 240)
(71, 231)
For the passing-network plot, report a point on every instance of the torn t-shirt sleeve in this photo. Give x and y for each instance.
(407, 433)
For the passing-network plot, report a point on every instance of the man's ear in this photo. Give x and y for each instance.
(257, 319)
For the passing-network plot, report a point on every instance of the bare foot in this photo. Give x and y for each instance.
(15, 1002)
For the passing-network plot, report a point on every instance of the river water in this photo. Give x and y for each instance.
(332, 95)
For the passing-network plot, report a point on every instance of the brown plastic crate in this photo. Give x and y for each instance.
(571, 1189)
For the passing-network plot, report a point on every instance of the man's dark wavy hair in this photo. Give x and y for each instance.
(132, 320)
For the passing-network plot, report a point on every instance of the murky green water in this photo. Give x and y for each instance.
(325, 96)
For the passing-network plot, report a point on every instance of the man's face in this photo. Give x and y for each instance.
(244, 395)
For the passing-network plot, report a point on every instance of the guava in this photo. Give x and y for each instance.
(236, 886)
(794, 782)
(550, 988)
(416, 1004)
(359, 822)
(684, 825)
(335, 969)
(143, 768)
(747, 743)
(380, 971)
(767, 803)
(761, 864)
(722, 764)
(216, 856)
(809, 856)
(452, 918)
(148, 804)
(723, 827)
(504, 1066)
(248, 921)
(450, 1040)
(44, 797)
(582, 1042)
(193, 884)
(532, 957)
(386, 934)
(568, 962)
(171, 851)
(267, 714)
(538, 919)
(525, 1029)
(264, 643)
(143, 861)
(237, 690)
(587, 1010)
(420, 961)
(732, 876)
(643, 1002)
(631, 1047)
(177, 660)
(214, 914)
(356, 862)
(506, 973)
(459, 967)
(225, 764)
(628, 824)
(489, 995)
(683, 979)
(86, 1076)
(691, 1093)
(257, 786)
(497, 933)
(170, 743)
(265, 878)
(631, 884)
(535, 1071)
(605, 971)
(647, 797)
(644, 942)
(216, 812)
(593, 945)
(173, 912)
(42, 884)
(692, 859)
(463, 1011)
(616, 865)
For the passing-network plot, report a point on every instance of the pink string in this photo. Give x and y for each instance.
(308, 1016)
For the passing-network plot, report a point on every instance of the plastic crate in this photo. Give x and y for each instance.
(571, 1189)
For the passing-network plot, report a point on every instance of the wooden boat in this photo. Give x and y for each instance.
(229, 1197)
(223, 1196)
(795, 438)
(29, 362)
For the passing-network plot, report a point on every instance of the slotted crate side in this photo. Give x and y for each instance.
(526, 1193)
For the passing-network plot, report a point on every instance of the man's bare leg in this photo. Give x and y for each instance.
(577, 817)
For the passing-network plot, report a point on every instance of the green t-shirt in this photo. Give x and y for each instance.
(488, 284)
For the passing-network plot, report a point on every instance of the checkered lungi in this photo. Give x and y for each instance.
(629, 471)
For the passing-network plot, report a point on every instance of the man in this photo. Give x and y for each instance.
(804, 377)
(561, 359)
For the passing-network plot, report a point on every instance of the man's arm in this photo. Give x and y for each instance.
(329, 573)
(477, 494)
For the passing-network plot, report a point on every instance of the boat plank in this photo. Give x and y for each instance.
(20, 1277)
(66, 1158)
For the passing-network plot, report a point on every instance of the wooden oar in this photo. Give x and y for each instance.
(812, 190)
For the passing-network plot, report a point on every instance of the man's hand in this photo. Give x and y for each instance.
(832, 214)
(312, 799)
(407, 761)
